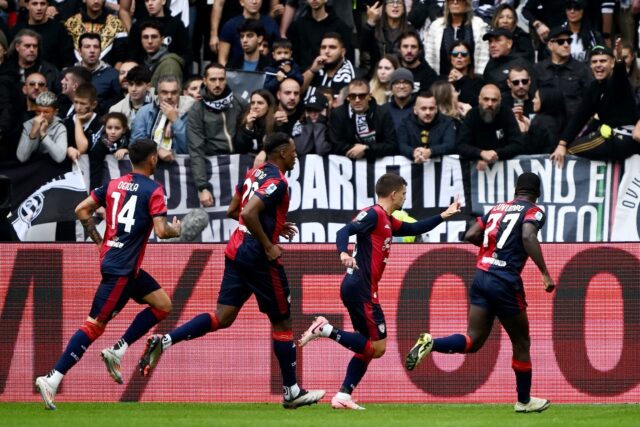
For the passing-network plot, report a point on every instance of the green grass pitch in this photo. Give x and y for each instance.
(262, 414)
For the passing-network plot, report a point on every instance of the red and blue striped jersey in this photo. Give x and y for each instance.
(131, 202)
(373, 229)
(502, 251)
(268, 183)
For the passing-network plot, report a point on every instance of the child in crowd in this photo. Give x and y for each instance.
(282, 67)
(192, 87)
(138, 93)
(115, 136)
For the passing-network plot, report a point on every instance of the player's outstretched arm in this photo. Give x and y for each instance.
(427, 224)
(533, 249)
(166, 230)
(251, 219)
(84, 212)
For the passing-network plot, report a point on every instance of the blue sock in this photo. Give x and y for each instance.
(194, 328)
(144, 321)
(285, 352)
(455, 343)
(76, 347)
(523, 380)
(355, 371)
(353, 341)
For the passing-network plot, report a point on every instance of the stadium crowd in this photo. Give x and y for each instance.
(487, 79)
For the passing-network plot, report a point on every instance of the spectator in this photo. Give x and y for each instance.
(309, 31)
(607, 113)
(45, 133)
(57, 47)
(543, 15)
(288, 111)
(84, 128)
(633, 71)
(426, 133)
(138, 94)
(193, 87)
(380, 87)
(282, 67)
(448, 103)
(502, 58)
(518, 97)
(72, 78)
(34, 85)
(211, 127)
(562, 71)
(158, 60)
(488, 132)
(548, 123)
(112, 139)
(112, 31)
(583, 37)
(298, 8)
(103, 76)
(380, 34)
(505, 17)
(229, 45)
(361, 128)
(462, 74)
(24, 59)
(256, 124)
(457, 24)
(401, 102)
(165, 120)
(423, 74)
(223, 11)
(251, 34)
(310, 133)
(330, 69)
(174, 32)
(122, 74)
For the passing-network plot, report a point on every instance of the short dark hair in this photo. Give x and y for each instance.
(141, 149)
(335, 36)
(251, 26)
(213, 65)
(388, 183)
(152, 23)
(90, 36)
(81, 74)
(281, 44)
(360, 82)
(410, 33)
(118, 116)
(275, 141)
(425, 94)
(138, 74)
(88, 91)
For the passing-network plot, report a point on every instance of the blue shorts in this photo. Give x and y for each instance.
(498, 296)
(268, 282)
(367, 319)
(115, 291)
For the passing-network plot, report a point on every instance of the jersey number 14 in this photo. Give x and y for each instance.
(126, 213)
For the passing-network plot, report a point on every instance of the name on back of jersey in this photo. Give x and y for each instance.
(505, 207)
(127, 186)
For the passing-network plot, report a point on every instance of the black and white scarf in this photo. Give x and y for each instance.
(220, 103)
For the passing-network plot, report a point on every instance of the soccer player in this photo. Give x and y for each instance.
(374, 227)
(252, 266)
(134, 205)
(507, 236)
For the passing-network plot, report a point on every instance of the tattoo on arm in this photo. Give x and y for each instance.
(91, 230)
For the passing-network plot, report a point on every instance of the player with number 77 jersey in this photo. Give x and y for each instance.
(135, 204)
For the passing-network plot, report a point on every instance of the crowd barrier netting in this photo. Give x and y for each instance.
(585, 337)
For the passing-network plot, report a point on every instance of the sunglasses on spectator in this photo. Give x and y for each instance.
(394, 2)
(459, 53)
(561, 42)
(359, 96)
(522, 82)
(34, 84)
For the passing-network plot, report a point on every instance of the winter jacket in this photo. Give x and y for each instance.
(146, 117)
(441, 139)
(54, 143)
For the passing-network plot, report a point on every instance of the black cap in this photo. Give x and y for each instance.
(316, 102)
(497, 32)
(556, 32)
(578, 4)
(529, 182)
(601, 50)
